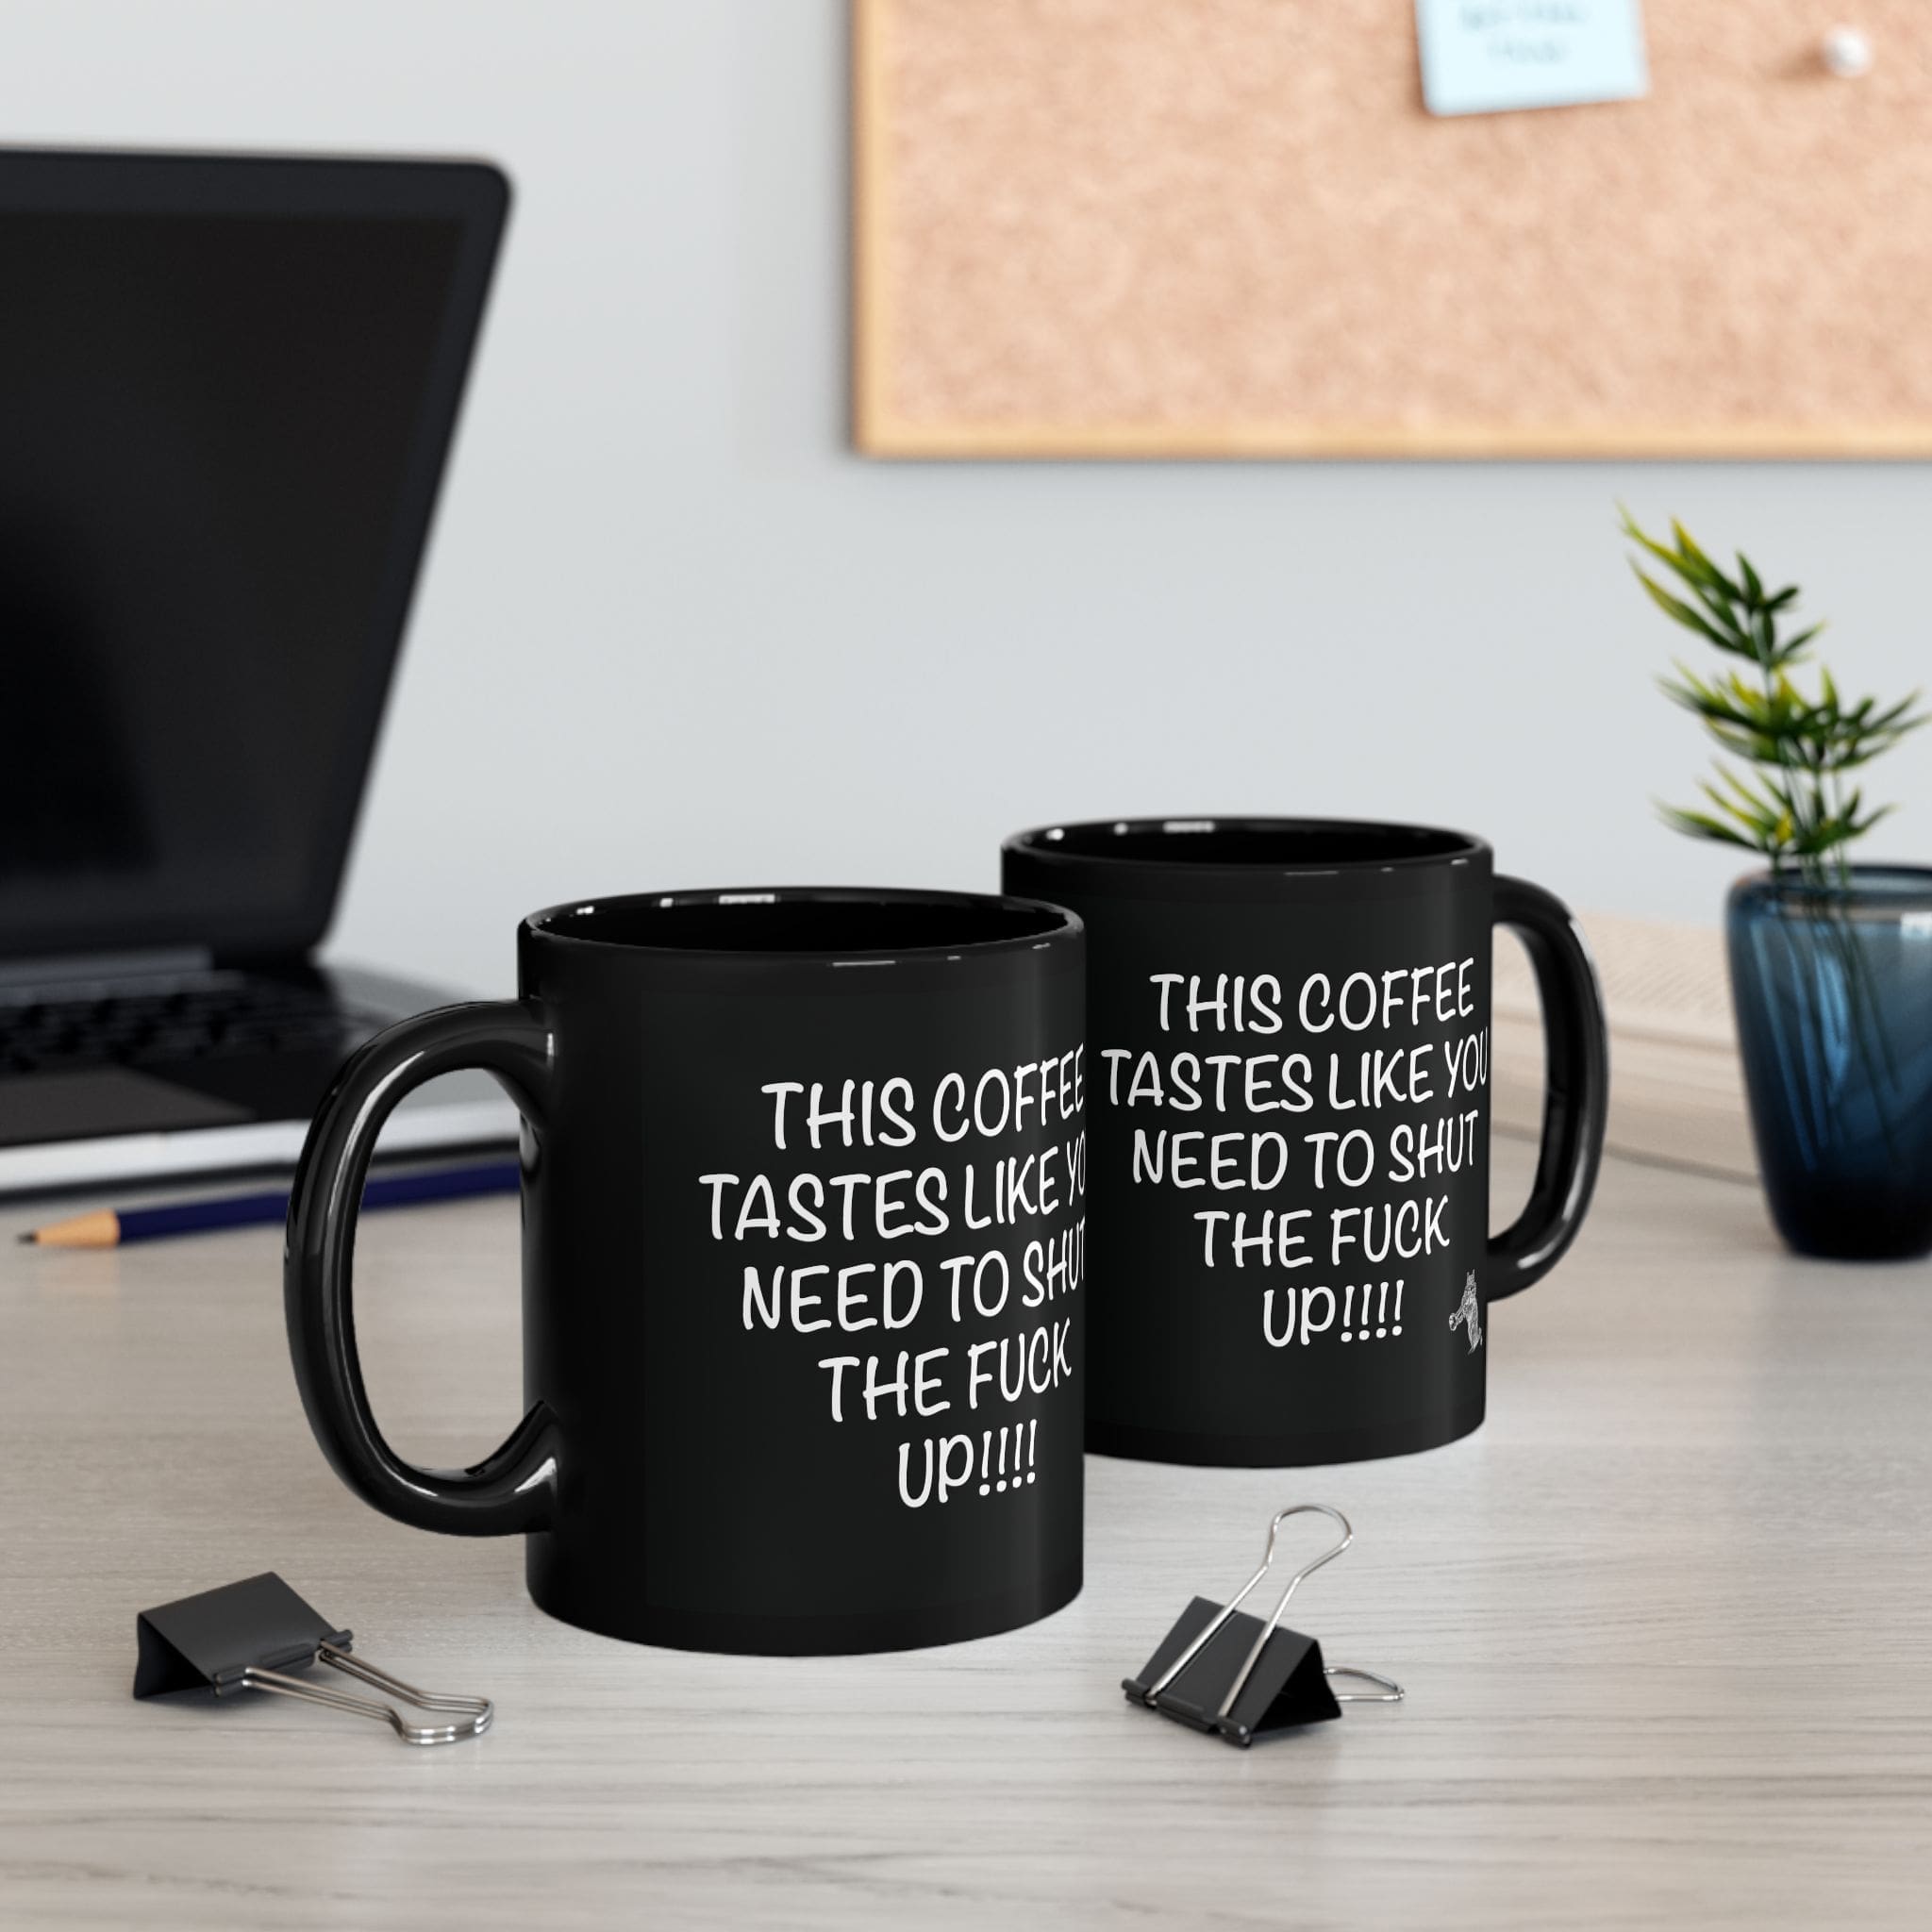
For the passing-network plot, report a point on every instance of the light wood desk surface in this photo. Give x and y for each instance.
(1665, 1622)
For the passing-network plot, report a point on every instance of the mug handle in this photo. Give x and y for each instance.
(1576, 1088)
(513, 1487)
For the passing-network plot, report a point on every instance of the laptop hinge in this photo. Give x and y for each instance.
(105, 968)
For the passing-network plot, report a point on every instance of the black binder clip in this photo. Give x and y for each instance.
(249, 1636)
(1219, 1670)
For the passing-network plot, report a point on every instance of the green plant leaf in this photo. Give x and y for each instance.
(1886, 720)
(1696, 565)
(1792, 748)
(1680, 612)
(1699, 824)
(1686, 562)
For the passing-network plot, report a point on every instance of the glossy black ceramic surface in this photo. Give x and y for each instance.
(879, 1447)
(1289, 1115)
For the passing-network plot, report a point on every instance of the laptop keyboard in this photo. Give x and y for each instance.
(204, 1019)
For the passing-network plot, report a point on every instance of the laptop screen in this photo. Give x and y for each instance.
(222, 430)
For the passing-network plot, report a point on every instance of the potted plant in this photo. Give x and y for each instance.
(1831, 962)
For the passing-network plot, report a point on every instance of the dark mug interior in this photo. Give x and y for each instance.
(833, 922)
(1275, 844)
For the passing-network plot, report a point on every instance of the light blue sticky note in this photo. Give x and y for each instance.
(1482, 57)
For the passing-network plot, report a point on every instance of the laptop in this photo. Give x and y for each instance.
(227, 387)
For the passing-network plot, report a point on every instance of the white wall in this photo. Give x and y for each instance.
(672, 633)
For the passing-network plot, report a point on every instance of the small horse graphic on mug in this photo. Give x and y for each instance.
(1468, 1316)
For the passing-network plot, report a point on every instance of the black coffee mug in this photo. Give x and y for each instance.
(1289, 1079)
(803, 1267)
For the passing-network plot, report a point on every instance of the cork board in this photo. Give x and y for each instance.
(1229, 227)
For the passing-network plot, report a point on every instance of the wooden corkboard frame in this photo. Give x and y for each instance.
(1210, 229)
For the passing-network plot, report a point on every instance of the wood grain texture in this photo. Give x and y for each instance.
(1665, 1622)
(1229, 229)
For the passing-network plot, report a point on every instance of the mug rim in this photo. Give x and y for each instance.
(1046, 843)
(1053, 925)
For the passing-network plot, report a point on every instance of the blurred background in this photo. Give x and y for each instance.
(673, 632)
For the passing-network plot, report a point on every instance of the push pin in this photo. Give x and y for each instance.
(1846, 53)
(254, 1634)
(1222, 1671)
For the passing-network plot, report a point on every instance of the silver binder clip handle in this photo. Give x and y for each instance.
(1390, 1693)
(478, 1712)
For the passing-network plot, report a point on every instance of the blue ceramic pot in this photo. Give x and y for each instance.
(1833, 990)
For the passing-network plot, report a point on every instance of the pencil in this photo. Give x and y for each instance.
(108, 1227)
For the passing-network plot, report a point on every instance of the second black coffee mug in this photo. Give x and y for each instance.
(803, 1267)
(1288, 1076)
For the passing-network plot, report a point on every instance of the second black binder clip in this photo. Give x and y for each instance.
(1222, 1671)
(255, 1634)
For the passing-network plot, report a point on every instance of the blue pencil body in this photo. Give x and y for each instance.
(272, 1208)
